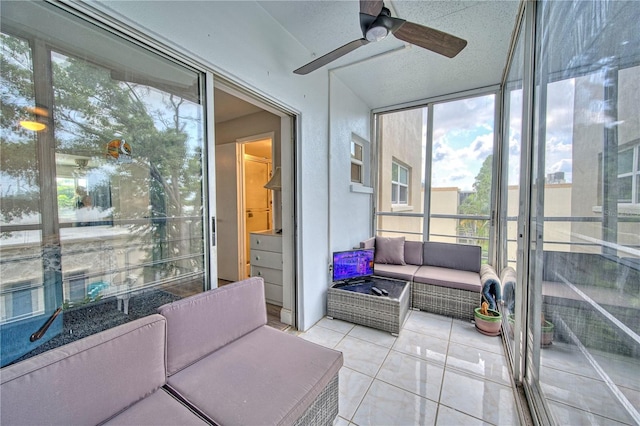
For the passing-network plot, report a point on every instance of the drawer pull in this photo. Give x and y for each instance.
(257, 241)
(257, 257)
(259, 273)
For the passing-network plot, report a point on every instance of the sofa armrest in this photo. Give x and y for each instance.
(368, 243)
(89, 380)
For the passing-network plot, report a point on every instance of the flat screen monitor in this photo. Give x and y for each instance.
(352, 264)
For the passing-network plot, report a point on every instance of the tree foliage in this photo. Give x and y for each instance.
(90, 108)
(478, 204)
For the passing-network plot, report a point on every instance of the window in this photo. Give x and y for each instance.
(82, 230)
(356, 162)
(399, 184)
(441, 190)
(629, 175)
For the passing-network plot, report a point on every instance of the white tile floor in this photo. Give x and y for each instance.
(438, 371)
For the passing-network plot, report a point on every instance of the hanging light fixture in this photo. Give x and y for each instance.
(275, 183)
(38, 117)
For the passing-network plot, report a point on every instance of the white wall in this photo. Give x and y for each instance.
(241, 41)
(350, 212)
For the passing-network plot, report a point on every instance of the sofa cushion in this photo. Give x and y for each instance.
(413, 252)
(445, 277)
(235, 309)
(158, 409)
(89, 380)
(401, 272)
(389, 250)
(266, 378)
(454, 256)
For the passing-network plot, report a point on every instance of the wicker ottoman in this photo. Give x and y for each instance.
(355, 303)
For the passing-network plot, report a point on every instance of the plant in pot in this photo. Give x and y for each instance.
(546, 330)
(488, 321)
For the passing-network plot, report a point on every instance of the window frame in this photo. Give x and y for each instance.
(397, 201)
(634, 174)
(357, 162)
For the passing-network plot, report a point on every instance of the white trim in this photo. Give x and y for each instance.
(359, 188)
(401, 208)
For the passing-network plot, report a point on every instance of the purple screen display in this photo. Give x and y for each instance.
(352, 264)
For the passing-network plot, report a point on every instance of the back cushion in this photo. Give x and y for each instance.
(454, 256)
(413, 252)
(389, 250)
(202, 324)
(87, 381)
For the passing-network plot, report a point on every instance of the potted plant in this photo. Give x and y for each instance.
(546, 330)
(488, 321)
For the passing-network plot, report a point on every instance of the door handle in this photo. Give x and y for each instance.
(213, 231)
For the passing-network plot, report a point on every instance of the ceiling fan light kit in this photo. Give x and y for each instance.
(377, 23)
(376, 33)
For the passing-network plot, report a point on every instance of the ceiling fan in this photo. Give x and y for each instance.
(377, 23)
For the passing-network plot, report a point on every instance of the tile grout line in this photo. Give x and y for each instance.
(444, 365)
(444, 373)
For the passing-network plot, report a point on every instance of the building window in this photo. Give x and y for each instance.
(399, 184)
(629, 175)
(356, 162)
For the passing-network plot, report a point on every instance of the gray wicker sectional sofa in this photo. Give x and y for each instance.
(445, 278)
(206, 359)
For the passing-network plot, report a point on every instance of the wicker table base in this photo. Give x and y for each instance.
(355, 303)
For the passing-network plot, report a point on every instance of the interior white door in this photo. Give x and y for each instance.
(227, 210)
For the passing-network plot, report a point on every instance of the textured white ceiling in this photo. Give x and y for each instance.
(404, 75)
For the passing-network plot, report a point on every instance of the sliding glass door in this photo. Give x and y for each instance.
(102, 206)
(576, 344)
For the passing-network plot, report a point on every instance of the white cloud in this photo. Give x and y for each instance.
(465, 114)
(565, 165)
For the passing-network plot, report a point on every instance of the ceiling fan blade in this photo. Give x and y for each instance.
(431, 39)
(331, 56)
(372, 8)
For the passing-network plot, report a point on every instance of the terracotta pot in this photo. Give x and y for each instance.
(488, 324)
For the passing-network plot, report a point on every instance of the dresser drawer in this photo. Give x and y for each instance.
(268, 274)
(266, 242)
(273, 293)
(266, 258)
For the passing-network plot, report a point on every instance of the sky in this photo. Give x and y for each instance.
(462, 140)
(463, 136)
